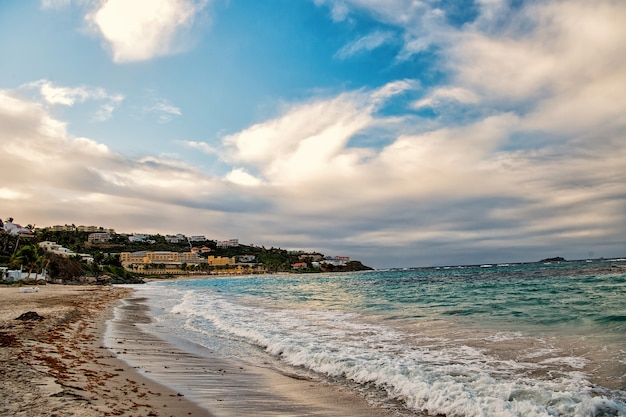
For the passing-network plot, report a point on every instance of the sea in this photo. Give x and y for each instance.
(532, 339)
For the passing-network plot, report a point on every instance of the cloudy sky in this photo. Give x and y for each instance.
(397, 132)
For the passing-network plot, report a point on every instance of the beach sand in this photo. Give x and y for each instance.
(226, 387)
(70, 364)
(59, 366)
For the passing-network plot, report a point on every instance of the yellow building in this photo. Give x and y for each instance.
(219, 260)
(165, 262)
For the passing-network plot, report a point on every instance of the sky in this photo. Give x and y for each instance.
(397, 132)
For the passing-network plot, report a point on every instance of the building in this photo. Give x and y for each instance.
(178, 238)
(220, 260)
(299, 265)
(231, 243)
(140, 237)
(65, 228)
(100, 237)
(197, 239)
(336, 260)
(17, 230)
(55, 248)
(310, 257)
(166, 262)
(247, 258)
(13, 275)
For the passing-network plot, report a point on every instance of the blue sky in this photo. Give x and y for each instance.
(398, 132)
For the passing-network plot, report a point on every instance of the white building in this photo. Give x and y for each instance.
(178, 238)
(247, 258)
(197, 238)
(54, 247)
(140, 237)
(231, 243)
(336, 260)
(13, 275)
(16, 229)
(100, 237)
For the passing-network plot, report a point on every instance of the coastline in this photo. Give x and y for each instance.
(223, 385)
(89, 357)
(59, 365)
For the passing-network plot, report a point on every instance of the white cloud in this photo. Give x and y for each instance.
(242, 177)
(528, 151)
(164, 109)
(55, 4)
(201, 146)
(10, 194)
(444, 94)
(55, 177)
(69, 96)
(365, 44)
(139, 30)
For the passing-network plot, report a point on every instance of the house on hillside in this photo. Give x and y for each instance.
(231, 243)
(178, 238)
(336, 260)
(17, 230)
(100, 237)
(299, 265)
(140, 237)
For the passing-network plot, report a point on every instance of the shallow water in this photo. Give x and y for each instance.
(515, 340)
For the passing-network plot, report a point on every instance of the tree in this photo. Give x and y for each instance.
(27, 257)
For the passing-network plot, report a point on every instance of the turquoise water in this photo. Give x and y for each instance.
(499, 340)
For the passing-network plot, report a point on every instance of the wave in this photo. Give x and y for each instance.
(427, 374)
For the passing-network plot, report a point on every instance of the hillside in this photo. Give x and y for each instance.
(106, 260)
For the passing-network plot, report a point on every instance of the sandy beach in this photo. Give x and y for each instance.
(56, 364)
(64, 361)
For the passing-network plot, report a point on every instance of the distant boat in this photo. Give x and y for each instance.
(486, 266)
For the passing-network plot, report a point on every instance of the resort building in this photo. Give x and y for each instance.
(247, 258)
(178, 238)
(220, 260)
(166, 262)
(57, 249)
(100, 237)
(54, 247)
(336, 260)
(59, 228)
(231, 243)
(138, 237)
(93, 229)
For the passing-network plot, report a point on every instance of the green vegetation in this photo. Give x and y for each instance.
(23, 252)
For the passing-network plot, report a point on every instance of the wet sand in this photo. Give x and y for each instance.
(71, 363)
(222, 385)
(59, 366)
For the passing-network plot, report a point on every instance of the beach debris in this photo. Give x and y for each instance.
(8, 340)
(30, 316)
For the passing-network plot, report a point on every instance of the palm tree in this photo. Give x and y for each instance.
(28, 257)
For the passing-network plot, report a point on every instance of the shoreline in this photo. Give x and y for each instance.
(59, 365)
(89, 357)
(225, 386)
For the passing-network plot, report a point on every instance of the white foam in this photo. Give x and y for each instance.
(430, 375)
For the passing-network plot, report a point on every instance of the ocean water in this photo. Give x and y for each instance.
(492, 340)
